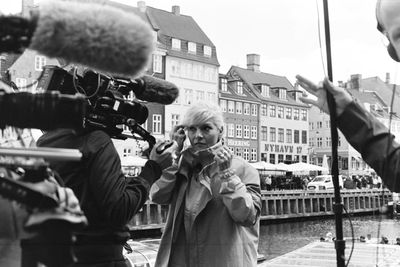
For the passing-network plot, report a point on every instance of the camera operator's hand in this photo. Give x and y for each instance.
(341, 96)
(166, 157)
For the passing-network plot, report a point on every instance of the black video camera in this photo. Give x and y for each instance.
(108, 108)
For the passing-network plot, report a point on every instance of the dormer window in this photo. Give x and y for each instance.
(176, 44)
(192, 47)
(239, 88)
(207, 51)
(265, 90)
(282, 93)
(224, 85)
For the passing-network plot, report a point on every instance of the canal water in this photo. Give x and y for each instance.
(279, 238)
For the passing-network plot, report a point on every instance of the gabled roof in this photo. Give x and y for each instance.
(178, 26)
(370, 97)
(383, 90)
(250, 78)
(168, 25)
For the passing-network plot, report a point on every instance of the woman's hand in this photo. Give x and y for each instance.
(340, 95)
(178, 135)
(223, 156)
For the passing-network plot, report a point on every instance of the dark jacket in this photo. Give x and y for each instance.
(373, 141)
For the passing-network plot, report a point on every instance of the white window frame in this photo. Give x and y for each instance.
(253, 155)
(265, 90)
(207, 51)
(157, 63)
(231, 106)
(224, 85)
(192, 47)
(253, 132)
(222, 103)
(254, 110)
(40, 62)
(176, 44)
(239, 88)
(157, 122)
(239, 107)
(246, 154)
(246, 131)
(239, 130)
(188, 96)
(231, 130)
(174, 120)
(246, 109)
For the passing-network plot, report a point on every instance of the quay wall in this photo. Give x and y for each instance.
(285, 204)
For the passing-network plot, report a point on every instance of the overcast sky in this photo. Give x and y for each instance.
(285, 34)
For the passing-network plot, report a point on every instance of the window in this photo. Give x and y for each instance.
(282, 93)
(319, 124)
(281, 135)
(265, 90)
(224, 85)
(246, 154)
(246, 109)
(246, 131)
(222, 103)
(272, 134)
(272, 110)
(264, 133)
(311, 125)
(253, 132)
(319, 141)
(207, 51)
(263, 110)
(280, 112)
(231, 107)
(288, 136)
(127, 152)
(199, 95)
(40, 61)
(272, 158)
(280, 158)
(328, 142)
(296, 136)
(174, 120)
(289, 113)
(304, 137)
(253, 110)
(156, 124)
(239, 88)
(192, 47)
(253, 154)
(238, 130)
(176, 44)
(328, 124)
(239, 107)
(20, 83)
(231, 130)
(296, 114)
(157, 63)
(303, 114)
(188, 96)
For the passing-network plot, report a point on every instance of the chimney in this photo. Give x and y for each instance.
(387, 78)
(355, 80)
(142, 6)
(27, 6)
(253, 62)
(176, 10)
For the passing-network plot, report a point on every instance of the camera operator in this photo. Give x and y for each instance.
(108, 198)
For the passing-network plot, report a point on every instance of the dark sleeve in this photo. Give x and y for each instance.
(372, 139)
(119, 197)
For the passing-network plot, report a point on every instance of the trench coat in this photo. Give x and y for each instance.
(225, 228)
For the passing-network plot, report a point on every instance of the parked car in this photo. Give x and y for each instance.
(323, 182)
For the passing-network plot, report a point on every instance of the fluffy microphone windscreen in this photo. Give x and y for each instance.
(98, 36)
(157, 90)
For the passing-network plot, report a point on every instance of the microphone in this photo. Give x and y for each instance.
(98, 36)
(153, 89)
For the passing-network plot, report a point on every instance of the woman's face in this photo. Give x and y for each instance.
(203, 135)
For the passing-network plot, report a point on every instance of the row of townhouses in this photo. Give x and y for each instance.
(264, 118)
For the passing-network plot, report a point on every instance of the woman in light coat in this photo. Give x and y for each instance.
(214, 199)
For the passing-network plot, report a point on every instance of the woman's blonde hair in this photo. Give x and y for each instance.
(203, 112)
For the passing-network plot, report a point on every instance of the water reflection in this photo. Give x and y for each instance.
(278, 239)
